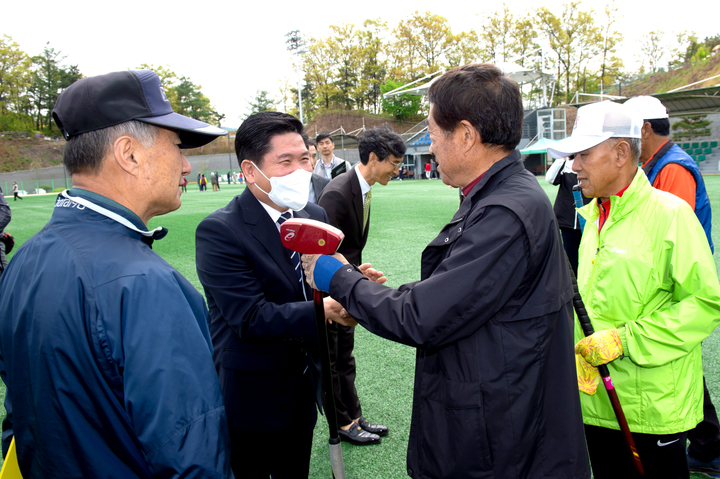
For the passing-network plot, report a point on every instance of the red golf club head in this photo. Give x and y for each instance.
(310, 236)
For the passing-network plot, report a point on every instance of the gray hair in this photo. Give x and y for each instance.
(635, 146)
(85, 153)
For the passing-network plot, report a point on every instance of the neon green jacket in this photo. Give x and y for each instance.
(650, 274)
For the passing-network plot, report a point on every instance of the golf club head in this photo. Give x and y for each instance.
(310, 236)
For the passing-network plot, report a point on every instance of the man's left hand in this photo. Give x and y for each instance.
(600, 347)
(372, 274)
(308, 264)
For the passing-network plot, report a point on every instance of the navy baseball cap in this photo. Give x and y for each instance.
(107, 100)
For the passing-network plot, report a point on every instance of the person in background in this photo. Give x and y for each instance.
(561, 173)
(491, 317)
(262, 318)
(329, 162)
(5, 217)
(15, 191)
(649, 284)
(312, 149)
(670, 169)
(104, 347)
(347, 201)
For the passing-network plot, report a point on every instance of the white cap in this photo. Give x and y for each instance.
(596, 123)
(647, 107)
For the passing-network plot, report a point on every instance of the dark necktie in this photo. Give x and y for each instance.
(294, 256)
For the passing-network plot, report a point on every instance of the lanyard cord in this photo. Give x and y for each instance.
(109, 214)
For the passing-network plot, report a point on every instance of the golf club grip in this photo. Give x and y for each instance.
(326, 372)
(588, 330)
(579, 306)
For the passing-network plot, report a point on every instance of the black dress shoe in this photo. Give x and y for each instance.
(357, 436)
(378, 429)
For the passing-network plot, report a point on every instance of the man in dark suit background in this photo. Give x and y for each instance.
(261, 321)
(347, 203)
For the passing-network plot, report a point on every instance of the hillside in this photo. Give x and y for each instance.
(662, 82)
(28, 153)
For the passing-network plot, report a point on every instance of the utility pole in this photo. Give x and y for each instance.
(295, 44)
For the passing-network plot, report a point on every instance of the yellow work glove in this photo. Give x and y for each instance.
(587, 375)
(601, 347)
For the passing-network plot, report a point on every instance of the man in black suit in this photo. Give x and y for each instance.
(261, 311)
(347, 202)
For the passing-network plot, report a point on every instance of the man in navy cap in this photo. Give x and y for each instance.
(104, 347)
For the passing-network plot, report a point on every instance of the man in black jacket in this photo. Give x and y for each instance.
(495, 384)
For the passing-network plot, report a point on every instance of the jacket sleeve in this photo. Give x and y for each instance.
(335, 205)
(5, 214)
(679, 318)
(553, 173)
(161, 348)
(232, 279)
(485, 267)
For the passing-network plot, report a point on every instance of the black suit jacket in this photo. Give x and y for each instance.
(318, 183)
(342, 200)
(262, 327)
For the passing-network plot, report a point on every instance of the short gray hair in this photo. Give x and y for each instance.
(85, 153)
(635, 146)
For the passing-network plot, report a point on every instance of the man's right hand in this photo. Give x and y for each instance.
(334, 312)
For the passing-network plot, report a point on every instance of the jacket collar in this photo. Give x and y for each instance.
(103, 206)
(265, 231)
(498, 172)
(621, 206)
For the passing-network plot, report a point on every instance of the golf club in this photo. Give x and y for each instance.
(588, 330)
(307, 236)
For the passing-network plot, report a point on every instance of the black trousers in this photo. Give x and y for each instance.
(283, 454)
(571, 243)
(662, 456)
(705, 438)
(279, 454)
(341, 340)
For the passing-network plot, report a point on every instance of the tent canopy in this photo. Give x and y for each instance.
(540, 146)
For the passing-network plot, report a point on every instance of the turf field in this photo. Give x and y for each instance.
(405, 217)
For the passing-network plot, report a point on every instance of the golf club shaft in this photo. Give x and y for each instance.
(588, 330)
(330, 410)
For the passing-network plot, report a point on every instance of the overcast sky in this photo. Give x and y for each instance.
(234, 49)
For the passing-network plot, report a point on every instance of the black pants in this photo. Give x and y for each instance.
(705, 438)
(662, 456)
(341, 340)
(571, 243)
(283, 454)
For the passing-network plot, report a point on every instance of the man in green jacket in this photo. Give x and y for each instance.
(650, 287)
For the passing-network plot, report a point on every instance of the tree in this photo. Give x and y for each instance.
(523, 42)
(611, 65)
(49, 79)
(261, 102)
(420, 45)
(193, 103)
(464, 48)
(374, 67)
(318, 73)
(692, 127)
(651, 47)
(344, 46)
(14, 79)
(402, 107)
(573, 38)
(497, 35)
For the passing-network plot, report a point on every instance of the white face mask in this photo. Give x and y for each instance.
(289, 191)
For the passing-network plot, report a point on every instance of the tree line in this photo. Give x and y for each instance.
(353, 66)
(30, 86)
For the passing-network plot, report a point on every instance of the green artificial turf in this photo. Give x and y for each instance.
(405, 217)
